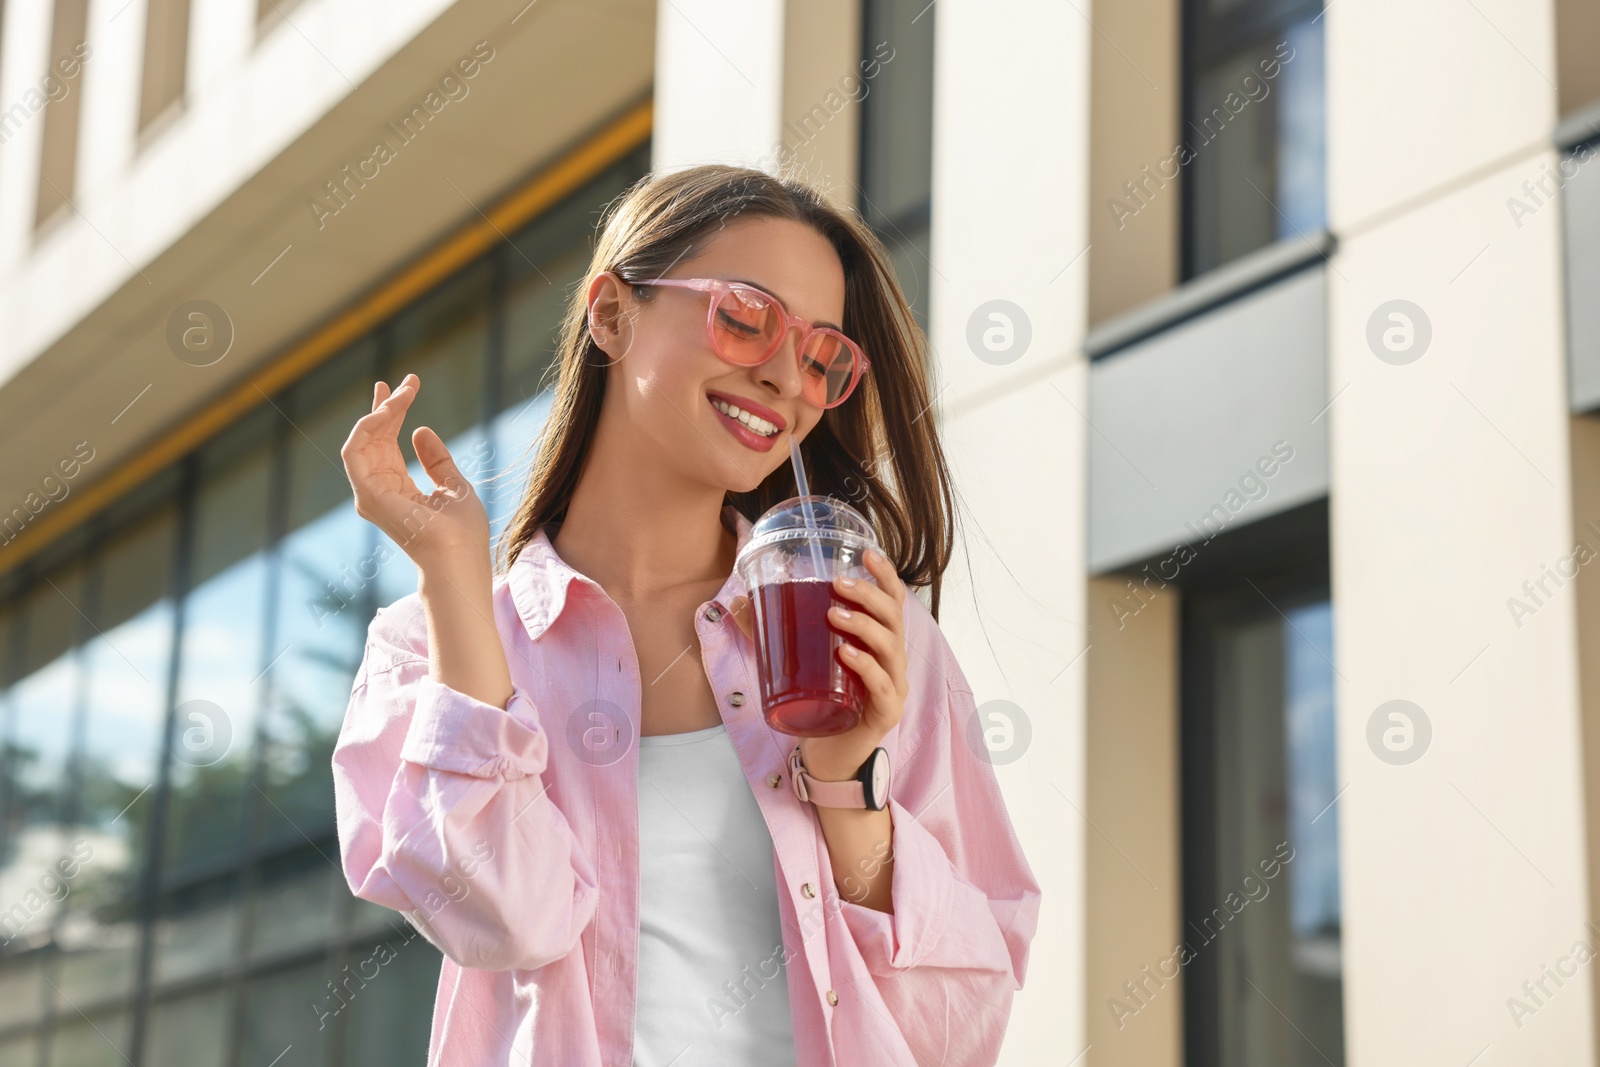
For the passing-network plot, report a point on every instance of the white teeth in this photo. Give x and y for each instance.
(754, 422)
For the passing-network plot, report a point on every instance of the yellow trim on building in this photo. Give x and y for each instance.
(538, 194)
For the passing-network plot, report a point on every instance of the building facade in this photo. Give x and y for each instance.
(1268, 362)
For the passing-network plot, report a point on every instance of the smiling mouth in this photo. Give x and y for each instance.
(754, 423)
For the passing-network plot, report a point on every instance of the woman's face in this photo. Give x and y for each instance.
(665, 380)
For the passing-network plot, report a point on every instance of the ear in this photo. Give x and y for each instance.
(609, 300)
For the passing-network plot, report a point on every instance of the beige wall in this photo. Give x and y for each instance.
(1133, 891)
(1586, 595)
(822, 89)
(1133, 123)
(1008, 223)
(1463, 873)
(1577, 45)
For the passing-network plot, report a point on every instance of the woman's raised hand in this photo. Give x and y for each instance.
(446, 530)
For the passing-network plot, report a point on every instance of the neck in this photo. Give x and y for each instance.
(639, 531)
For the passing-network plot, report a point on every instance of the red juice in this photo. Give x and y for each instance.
(805, 689)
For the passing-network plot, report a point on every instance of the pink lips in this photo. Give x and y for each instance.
(747, 436)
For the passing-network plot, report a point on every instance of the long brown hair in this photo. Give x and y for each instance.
(879, 450)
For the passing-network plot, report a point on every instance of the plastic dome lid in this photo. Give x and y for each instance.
(830, 519)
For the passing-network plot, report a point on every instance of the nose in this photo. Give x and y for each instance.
(782, 372)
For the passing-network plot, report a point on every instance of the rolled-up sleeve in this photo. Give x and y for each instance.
(978, 914)
(443, 813)
(965, 902)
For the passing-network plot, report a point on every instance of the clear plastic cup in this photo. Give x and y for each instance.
(788, 566)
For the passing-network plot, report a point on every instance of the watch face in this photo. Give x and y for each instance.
(880, 779)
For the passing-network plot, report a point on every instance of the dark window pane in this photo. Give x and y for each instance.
(21, 987)
(97, 1041)
(20, 1052)
(223, 652)
(1253, 128)
(192, 1031)
(1261, 858)
(392, 1012)
(126, 666)
(322, 408)
(280, 1011)
(322, 607)
(298, 902)
(197, 930)
(41, 710)
(897, 110)
(231, 520)
(443, 340)
(897, 138)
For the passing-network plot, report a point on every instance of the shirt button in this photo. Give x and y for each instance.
(736, 698)
(807, 891)
(713, 613)
(774, 778)
(833, 998)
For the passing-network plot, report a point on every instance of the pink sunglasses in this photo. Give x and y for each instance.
(747, 326)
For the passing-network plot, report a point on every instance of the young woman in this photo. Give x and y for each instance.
(557, 767)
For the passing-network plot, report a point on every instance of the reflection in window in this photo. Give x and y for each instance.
(298, 900)
(1252, 139)
(191, 1031)
(1261, 863)
(321, 608)
(264, 619)
(38, 743)
(392, 1011)
(95, 1041)
(108, 811)
(280, 1013)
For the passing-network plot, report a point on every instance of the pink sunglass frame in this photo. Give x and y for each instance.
(721, 288)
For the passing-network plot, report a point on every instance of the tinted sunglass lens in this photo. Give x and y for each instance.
(829, 367)
(746, 326)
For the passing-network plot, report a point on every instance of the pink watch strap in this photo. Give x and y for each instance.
(847, 794)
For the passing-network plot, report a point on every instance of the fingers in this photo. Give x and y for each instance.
(883, 644)
(878, 681)
(436, 460)
(884, 601)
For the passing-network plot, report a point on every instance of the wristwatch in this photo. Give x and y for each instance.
(868, 789)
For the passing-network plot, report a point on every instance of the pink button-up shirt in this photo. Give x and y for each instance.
(510, 838)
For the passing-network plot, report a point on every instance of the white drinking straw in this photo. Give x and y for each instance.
(805, 504)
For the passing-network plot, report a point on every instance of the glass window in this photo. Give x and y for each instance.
(192, 1031)
(294, 1008)
(222, 650)
(897, 138)
(322, 606)
(126, 666)
(1261, 864)
(20, 1052)
(245, 569)
(21, 987)
(1252, 138)
(41, 710)
(298, 902)
(95, 1041)
(394, 1009)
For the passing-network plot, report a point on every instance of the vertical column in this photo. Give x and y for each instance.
(1133, 892)
(1461, 822)
(719, 82)
(1008, 296)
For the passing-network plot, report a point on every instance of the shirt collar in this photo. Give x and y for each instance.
(540, 578)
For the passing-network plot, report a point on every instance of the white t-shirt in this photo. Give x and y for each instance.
(712, 984)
